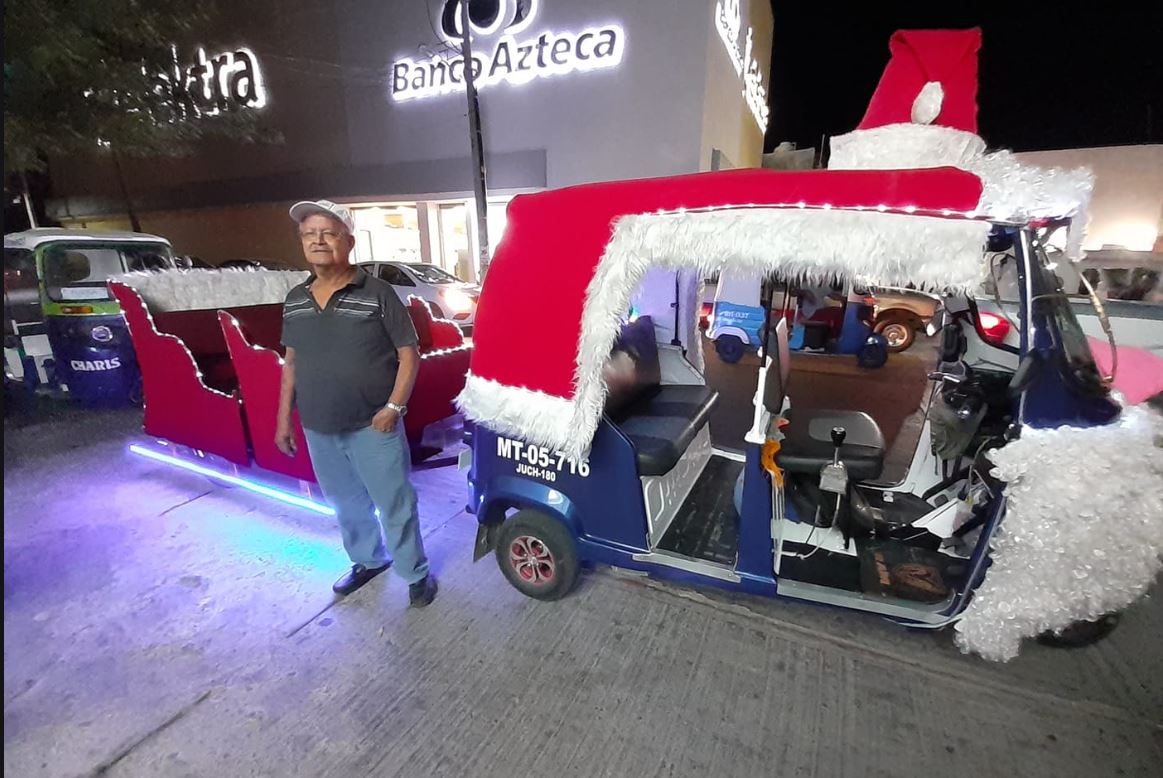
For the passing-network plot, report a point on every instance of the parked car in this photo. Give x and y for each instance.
(900, 314)
(1129, 283)
(257, 264)
(447, 296)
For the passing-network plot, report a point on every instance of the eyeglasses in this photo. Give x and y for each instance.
(310, 236)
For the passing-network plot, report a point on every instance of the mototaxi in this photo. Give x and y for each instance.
(605, 456)
(62, 326)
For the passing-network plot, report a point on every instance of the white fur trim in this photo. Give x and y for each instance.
(1083, 532)
(904, 147)
(192, 290)
(877, 249)
(1016, 192)
(927, 106)
(522, 413)
(1011, 192)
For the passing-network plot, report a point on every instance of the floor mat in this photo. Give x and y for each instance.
(707, 526)
(908, 572)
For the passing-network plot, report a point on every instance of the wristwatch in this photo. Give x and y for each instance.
(400, 409)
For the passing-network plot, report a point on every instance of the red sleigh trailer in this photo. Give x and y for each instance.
(208, 346)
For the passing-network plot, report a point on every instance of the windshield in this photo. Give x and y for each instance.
(1053, 305)
(80, 272)
(430, 274)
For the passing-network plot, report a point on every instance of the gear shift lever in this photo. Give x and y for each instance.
(838, 435)
(834, 477)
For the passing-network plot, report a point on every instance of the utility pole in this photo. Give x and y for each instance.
(133, 221)
(474, 134)
(27, 197)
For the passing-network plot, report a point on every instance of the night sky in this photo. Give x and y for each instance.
(1052, 74)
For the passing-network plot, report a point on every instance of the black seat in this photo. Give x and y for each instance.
(664, 423)
(807, 445)
(660, 421)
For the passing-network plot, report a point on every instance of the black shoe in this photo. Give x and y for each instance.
(358, 576)
(422, 592)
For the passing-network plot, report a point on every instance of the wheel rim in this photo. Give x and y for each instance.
(531, 559)
(896, 334)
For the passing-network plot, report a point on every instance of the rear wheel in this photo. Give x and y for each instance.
(537, 554)
(898, 330)
(730, 348)
(1081, 633)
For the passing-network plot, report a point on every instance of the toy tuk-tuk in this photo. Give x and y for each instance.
(737, 317)
(60, 319)
(592, 441)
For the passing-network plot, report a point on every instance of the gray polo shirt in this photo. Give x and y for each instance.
(345, 354)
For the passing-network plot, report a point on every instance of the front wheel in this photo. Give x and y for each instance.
(537, 554)
(730, 348)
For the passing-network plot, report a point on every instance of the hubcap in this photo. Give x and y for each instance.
(531, 559)
(895, 334)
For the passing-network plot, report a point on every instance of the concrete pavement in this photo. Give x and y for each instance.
(159, 625)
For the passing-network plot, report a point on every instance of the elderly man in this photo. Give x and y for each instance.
(350, 367)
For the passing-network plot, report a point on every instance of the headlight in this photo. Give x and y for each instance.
(456, 300)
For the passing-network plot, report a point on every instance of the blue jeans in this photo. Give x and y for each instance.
(359, 472)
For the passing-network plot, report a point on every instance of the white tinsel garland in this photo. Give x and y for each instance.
(1083, 532)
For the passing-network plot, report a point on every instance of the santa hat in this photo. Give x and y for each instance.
(930, 79)
(924, 114)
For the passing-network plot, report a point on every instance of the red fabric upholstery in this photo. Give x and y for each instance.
(441, 378)
(201, 333)
(422, 321)
(259, 375)
(432, 333)
(179, 407)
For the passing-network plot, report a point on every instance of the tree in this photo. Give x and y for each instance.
(85, 75)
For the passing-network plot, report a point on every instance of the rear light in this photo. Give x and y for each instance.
(72, 309)
(993, 328)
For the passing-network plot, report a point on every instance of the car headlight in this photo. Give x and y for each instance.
(456, 300)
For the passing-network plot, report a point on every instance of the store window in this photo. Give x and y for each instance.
(455, 256)
(497, 218)
(387, 233)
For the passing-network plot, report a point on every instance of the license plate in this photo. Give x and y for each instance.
(834, 478)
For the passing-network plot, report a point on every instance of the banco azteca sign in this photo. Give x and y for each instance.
(508, 51)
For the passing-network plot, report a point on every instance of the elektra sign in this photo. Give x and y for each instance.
(228, 80)
(515, 58)
(729, 23)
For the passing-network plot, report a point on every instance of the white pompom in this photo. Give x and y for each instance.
(927, 106)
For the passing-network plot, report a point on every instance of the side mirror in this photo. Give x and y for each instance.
(1027, 371)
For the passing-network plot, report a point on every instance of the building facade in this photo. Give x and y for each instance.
(369, 102)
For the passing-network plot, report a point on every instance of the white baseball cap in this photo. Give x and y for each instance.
(303, 209)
